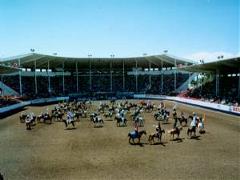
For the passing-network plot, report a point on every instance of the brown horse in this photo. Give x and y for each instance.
(155, 135)
(176, 131)
(134, 135)
(191, 131)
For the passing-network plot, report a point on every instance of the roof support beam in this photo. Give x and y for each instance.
(161, 76)
(20, 77)
(239, 83)
(63, 79)
(77, 75)
(35, 77)
(150, 77)
(217, 82)
(49, 80)
(136, 75)
(175, 75)
(123, 76)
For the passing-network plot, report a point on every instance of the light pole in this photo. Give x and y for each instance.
(32, 50)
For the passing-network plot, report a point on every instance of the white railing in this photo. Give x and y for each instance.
(209, 105)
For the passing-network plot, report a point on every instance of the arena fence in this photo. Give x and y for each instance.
(208, 105)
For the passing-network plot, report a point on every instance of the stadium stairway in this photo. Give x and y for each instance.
(7, 91)
(184, 86)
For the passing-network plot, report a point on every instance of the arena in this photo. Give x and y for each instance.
(71, 118)
(49, 151)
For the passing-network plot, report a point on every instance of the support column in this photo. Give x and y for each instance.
(2, 86)
(162, 77)
(175, 75)
(150, 77)
(63, 79)
(90, 73)
(35, 77)
(136, 76)
(217, 82)
(77, 76)
(189, 81)
(49, 81)
(239, 83)
(123, 76)
(111, 76)
(20, 77)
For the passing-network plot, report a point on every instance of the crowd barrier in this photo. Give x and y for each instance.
(208, 105)
(213, 106)
(31, 102)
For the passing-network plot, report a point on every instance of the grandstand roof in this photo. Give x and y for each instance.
(42, 60)
(5, 69)
(225, 66)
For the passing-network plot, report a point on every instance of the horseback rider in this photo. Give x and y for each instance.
(136, 129)
(69, 116)
(165, 114)
(194, 121)
(201, 125)
(158, 129)
(174, 118)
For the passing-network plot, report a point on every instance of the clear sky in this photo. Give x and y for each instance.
(186, 28)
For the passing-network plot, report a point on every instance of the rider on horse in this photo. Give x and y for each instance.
(69, 116)
(136, 129)
(201, 126)
(194, 121)
(175, 118)
(158, 129)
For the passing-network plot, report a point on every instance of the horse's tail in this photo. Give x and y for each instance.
(129, 135)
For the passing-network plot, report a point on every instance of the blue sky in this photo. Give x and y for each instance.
(186, 28)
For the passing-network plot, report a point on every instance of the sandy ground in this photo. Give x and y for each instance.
(51, 152)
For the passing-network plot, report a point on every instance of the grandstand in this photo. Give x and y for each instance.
(219, 81)
(34, 76)
(44, 75)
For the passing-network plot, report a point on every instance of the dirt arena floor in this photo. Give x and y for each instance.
(51, 152)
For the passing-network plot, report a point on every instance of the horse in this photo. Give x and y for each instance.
(57, 116)
(97, 120)
(176, 131)
(155, 135)
(121, 121)
(162, 116)
(133, 135)
(157, 116)
(139, 120)
(68, 122)
(30, 121)
(44, 117)
(22, 117)
(182, 120)
(149, 108)
(191, 130)
(108, 114)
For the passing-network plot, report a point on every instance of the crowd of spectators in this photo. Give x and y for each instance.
(100, 83)
(228, 91)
